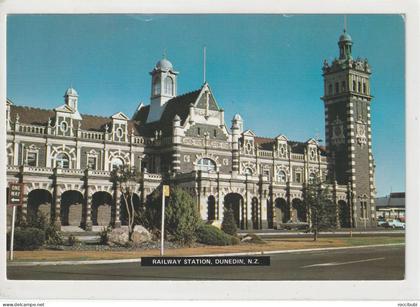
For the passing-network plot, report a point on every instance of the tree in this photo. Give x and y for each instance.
(229, 223)
(322, 212)
(126, 178)
(181, 215)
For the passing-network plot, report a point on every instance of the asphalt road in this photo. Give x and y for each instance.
(372, 263)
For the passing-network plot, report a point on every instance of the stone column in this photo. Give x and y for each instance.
(25, 203)
(117, 198)
(57, 206)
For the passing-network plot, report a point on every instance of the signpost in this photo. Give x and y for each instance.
(15, 199)
(165, 193)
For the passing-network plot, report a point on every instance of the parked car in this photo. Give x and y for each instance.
(395, 224)
(382, 222)
(290, 225)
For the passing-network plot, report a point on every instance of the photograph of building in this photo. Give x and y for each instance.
(64, 157)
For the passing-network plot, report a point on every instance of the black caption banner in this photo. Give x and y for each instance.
(206, 261)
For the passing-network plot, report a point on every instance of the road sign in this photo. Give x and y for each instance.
(15, 199)
(166, 190)
(15, 194)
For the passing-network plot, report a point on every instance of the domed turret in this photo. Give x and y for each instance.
(70, 92)
(163, 88)
(164, 64)
(345, 37)
(71, 98)
(345, 43)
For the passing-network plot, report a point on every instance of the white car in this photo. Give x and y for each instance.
(395, 224)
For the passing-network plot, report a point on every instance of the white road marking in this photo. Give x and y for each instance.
(341, 263)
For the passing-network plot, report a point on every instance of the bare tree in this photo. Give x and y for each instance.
(126, 179)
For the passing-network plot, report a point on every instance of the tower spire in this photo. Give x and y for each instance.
(345, 23)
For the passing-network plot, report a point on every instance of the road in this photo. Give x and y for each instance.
(371, 263)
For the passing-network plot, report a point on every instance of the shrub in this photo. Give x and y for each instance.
(181, 215)
(28, 238)
(229, 223)
(39, 220)
(104, 236)
(53, 235)
(72, 240)
(210, 235)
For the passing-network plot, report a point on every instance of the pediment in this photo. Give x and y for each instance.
(282, 137)
(249, 133)
(120, 116)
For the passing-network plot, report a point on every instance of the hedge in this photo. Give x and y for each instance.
(28, 238)
(210, 235)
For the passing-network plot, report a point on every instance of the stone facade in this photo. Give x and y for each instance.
(65, 158)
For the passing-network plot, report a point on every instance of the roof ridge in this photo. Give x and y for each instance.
(34, 108)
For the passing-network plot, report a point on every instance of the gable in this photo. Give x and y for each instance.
(120, 116)
(202, 102)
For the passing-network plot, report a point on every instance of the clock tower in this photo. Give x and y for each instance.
(347, 100)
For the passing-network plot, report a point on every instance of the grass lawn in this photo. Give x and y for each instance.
(269, 245)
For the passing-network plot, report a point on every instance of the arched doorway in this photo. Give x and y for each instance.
(101, 208)
(344, 214)
(71, 208)
(39, 201)
(255, 213)
(235, 202)
(299, 212)
(282, 211)
(123, 208)
(211, 208)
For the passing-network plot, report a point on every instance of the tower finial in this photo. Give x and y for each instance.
(204, 64)
(164, 53)
(345, 23)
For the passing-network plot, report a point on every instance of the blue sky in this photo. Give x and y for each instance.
(265, 67)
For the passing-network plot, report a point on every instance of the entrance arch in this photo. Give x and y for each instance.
(344, 214)
(299, 212)
(255, 213)
(71, 208)
(235, 202)
(282, 211)
(39, 201)
(101, 208)
(211, 208)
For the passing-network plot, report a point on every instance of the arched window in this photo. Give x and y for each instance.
(62, 160)
(337, 89)
(169, 86)
(330, 89)
(156, 86)
(248, 171)
(281, 176)
(312, 177)
(117, 163)
(206, 165)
